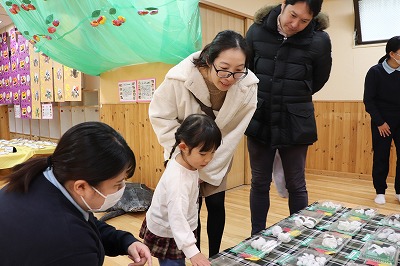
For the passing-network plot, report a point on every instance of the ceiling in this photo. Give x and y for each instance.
(6, 20)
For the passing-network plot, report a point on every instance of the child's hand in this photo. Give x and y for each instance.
(139, 253)
(200, 260)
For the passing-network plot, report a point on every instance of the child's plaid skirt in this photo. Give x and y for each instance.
(161, 247)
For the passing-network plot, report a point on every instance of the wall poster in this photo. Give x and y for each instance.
(145, 89)
(127, 91)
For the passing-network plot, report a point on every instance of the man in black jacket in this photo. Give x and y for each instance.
(292, 59)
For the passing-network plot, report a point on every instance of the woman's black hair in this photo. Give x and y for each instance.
(197, 130)
(392, 45)
(314, 5)
(91, 151)
(224, 40)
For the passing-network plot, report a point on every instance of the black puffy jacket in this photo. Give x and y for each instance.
(290, 70)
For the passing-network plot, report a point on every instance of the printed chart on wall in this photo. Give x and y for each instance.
(127, 91)
(145, 89)
(141, 90)
(17, 111)
(47, 111)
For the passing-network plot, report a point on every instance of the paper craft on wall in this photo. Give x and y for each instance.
(47, 111)
(13, 73)
(145, 89)
(35, 82)
(127, 91)
(46, 78)
(72, 84)
(4, 68)
(24, 77)
(26, 110)
(58, 74)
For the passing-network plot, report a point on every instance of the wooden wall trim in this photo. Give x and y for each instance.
(4, 122)
(343, 174)
(222, 9)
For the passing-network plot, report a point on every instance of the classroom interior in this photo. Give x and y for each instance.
(338, 165)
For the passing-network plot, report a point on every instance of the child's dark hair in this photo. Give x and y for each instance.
(197, 130)
(224, 40)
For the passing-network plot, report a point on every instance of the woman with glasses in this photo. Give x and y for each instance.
(215, 81)
(382, 102)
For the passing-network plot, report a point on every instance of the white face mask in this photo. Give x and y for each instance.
(397, 61)
(110, 200)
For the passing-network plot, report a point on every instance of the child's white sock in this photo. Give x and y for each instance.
(380, 199)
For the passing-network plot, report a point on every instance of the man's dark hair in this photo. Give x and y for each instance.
(315, 5)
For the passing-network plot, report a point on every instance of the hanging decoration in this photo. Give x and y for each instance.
(95, 36)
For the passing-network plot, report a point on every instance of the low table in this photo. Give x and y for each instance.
(7, 161)
(348, 255)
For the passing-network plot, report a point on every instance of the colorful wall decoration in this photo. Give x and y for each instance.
(34, 58)
(32, 81)
(23, 77)
(14, 69)
(72, 84)
(58, 76)
(5, 89)
(15, 73)
(78, 35)
(46, 79)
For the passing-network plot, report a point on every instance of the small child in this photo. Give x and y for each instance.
(168, 229)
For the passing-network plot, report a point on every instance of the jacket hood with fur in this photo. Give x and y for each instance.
(321, 20)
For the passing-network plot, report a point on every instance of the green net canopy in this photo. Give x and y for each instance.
(95, 36)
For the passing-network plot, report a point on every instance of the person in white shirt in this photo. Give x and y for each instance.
(171, 221)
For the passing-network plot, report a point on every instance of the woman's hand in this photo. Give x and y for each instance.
(200, 260)
(384, 130)
(139, 253)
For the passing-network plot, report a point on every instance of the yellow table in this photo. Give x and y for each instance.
(23, 153)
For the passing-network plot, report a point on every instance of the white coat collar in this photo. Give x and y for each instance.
(186, 72)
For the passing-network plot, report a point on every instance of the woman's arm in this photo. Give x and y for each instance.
(164, 117)
(232, 133)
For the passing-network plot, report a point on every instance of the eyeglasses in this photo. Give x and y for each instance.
(227, 74)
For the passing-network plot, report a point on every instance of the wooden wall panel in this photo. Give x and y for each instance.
(343, 148)
(132, 121)
(215, 20)
(344, 145)
(4, 123)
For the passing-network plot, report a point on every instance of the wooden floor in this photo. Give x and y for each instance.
(350, 191)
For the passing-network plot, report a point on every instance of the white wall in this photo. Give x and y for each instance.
(350, 63)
